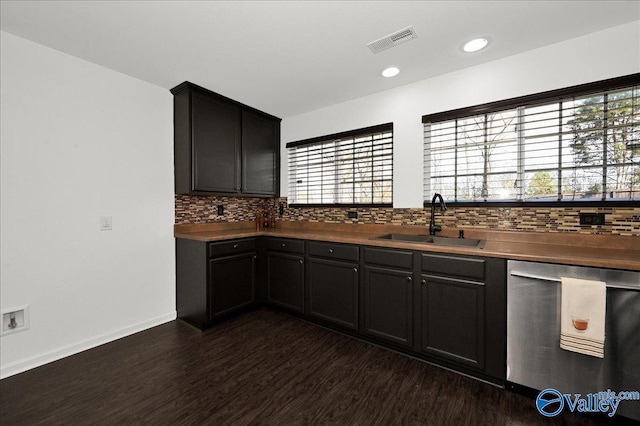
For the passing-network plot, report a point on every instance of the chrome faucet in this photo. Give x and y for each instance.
(433, 228)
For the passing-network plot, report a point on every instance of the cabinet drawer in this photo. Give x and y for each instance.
(333, 251)
(230, 247)
(288, 246)
(452, 265)
(393, 258)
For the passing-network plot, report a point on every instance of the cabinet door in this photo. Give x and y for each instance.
(285, 281)
(332, 288)
(231, 283)
(260, 144)
(453, 319)
(388, 304)
(216, 145)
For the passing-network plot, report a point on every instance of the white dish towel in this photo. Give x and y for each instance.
(582, 316)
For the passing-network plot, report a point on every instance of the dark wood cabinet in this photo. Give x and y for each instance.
(260, 159)
(444, 308)
(453, 319)
(214, 279)
(463, 311)
(216, 137)
(333, 284)
(222, 146)
(388, 304)
(285, 274)
(389, 295)
(231, 283)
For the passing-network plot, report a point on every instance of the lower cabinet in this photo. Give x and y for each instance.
(388, 304)
(463, 312)
(231, 283)
(214, 279)
(333, 284)
(453, 320)
(285, 273)
(389, 295)
(444, 308)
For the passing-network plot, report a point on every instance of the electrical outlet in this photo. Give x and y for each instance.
(281, 209)
(15, 320)
(220, 210)
(352, 215)
(106, 223)
(592, 219)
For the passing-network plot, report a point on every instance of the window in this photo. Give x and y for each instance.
(576, 144)
(350, 168)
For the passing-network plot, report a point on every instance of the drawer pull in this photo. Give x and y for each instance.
(355, 270)
(301, 261)
(409, 279)
(284, 245)
(423, 282)
(330, 250)
(235, 246)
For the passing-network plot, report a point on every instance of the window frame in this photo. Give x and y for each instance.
(551, 96)
(362, 132)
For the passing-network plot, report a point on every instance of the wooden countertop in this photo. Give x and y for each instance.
(604, 251)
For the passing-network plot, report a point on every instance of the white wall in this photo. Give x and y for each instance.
(79, 141)
(598, 56)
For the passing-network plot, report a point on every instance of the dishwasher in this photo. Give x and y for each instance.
(535, 361)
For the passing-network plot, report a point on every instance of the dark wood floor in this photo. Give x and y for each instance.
(260, 368)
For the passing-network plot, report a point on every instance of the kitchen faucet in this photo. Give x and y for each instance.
(433, 228)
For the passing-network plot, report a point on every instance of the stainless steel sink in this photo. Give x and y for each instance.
(459, 242)
(405, 237)
(432, 239)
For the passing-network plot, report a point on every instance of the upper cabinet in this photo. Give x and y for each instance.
(222, 146)
(215, 137)
(260, 154)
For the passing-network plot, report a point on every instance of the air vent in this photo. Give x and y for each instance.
(392, 40)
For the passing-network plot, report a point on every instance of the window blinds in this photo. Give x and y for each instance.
(351, 168)
(577, 148)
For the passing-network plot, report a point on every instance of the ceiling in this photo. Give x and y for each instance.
(291, 57)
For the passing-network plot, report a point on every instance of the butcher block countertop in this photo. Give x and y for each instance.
(603, 251)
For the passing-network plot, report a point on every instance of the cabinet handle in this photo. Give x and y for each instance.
(255, 256)
(235, 246)
(409, 279)
(283, 245)
(355, 269)
(330, 250)
(423, 282)
(301, 262)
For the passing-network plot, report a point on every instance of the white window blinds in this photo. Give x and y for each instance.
(350, 168)
(580, 148)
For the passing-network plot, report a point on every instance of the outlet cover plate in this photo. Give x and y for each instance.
(592, 219)
(21, 314)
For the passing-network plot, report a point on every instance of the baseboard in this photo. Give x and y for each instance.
(37, 361)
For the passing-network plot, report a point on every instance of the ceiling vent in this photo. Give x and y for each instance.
(392, 40)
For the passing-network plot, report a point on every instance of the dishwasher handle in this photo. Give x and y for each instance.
(557, 280)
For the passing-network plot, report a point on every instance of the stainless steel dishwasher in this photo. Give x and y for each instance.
(534, 357)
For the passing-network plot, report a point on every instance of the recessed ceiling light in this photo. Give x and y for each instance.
(475, 45)
(390, 72)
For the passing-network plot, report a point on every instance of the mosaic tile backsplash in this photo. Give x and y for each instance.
(204, 209)
(619, 221)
